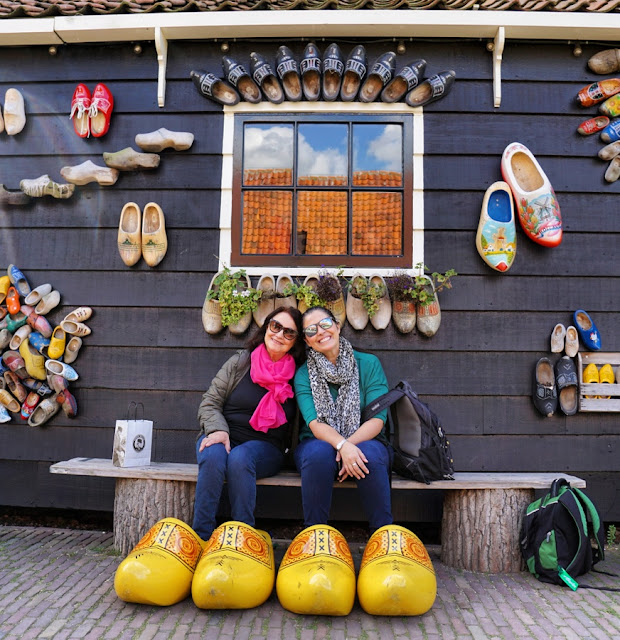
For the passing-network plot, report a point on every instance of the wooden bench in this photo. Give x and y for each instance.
(482, 512)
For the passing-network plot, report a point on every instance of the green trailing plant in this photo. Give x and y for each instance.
(303, 293)
(404, 287)
(368, 292)
(235, 297)
(611, 535)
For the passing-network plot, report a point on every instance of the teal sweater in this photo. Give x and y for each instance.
(373, 384)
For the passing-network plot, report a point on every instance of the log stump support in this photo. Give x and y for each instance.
(140, 503)
(480, 529)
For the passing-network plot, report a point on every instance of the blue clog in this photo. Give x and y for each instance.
(18, 279)
(588, 332)
(38, 341)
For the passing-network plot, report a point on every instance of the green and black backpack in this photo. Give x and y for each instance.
(562, 535)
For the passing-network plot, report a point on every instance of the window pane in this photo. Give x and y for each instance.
(322, 223)
(377, 155)
(377, 224)
(322, 155)
(267, 222)
(268, 155)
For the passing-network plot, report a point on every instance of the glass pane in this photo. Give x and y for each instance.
(377, 155)
(267, 222)
(268, 155)
(377, 224)
(322, 223)
(322, 155)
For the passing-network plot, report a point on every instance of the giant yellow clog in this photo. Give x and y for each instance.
(396, 574)
(5, 283)
(236, 570)
(160, 568)
(317, 575)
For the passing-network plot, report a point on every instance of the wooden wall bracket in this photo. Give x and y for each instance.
(161, 44)
(498, 52)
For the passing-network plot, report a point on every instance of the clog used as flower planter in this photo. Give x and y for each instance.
(356, 312)
(404, 315)
(317, 575)
(396, 575)
(267, 302)
(381, 319)
(537, 206)
(236, 569)
(496, 239)
(428, 316)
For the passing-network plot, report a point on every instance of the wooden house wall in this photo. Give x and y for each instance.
(148, 344)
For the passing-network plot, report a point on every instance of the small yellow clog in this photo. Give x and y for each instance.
(236, 569)
(591, 376)
(160, 568)
(5, 283)
(317, 575)
(606, 374)
(396, 574)
(57, 343)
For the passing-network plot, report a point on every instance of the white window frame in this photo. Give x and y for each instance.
(228, 136)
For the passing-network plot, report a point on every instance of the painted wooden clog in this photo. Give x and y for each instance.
(317, 575)
(538, 208)
(236, 569)
(496, 239)
(396, 574)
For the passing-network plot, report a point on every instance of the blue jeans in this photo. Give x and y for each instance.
(316, 462)
(240, 468)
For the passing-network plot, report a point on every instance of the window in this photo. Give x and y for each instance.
(322, 189)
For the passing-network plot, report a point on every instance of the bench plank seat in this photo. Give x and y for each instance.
(481, 521)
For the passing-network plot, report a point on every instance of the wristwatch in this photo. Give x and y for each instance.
(341, 444)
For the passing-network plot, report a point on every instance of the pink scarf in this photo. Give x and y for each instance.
(273, 376)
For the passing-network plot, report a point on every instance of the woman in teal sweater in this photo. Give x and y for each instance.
(332, 388)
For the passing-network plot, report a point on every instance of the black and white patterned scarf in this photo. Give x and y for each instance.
(344, 414)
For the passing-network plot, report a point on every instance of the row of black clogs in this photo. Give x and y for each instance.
(348, 80)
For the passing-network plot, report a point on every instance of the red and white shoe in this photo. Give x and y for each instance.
(537, 206)
(80, 110)
(101, 110)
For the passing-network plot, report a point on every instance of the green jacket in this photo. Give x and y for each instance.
(373, 384)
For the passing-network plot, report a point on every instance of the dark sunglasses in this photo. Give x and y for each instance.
(276, 327)
(312, 329)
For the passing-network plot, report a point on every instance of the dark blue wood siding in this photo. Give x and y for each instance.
(148, 344)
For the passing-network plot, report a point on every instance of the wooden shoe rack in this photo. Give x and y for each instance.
(609, 399)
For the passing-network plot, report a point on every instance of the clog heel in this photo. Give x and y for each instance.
(591, 376)
(317, 575)
(396, 576)
(160, 568)
(236, 569)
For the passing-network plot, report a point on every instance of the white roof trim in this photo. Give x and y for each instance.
(533, 25)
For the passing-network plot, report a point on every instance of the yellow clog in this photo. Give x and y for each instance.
(396, 574)
(317, 575)
(606, 374)
(236, 569)
(160, 568)
(5, 283)
(591, 376)
(33, 360)
(57, 344)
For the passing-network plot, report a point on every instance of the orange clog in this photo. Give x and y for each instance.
(12, 301)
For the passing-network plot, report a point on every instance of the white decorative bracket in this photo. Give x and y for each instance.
(498, 52)
(161, 44)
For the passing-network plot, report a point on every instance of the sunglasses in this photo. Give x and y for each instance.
(276, 327)
(312, 329)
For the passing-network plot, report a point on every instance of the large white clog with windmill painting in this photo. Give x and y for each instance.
(537, 206)
(496, 239)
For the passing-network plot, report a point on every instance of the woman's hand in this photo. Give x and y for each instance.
(353, 462)
(216, 437)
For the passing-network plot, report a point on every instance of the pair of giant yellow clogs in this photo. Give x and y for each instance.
(317, 575)
(234, 569)
(593, 375)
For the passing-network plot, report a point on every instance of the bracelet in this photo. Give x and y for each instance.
(341, 444)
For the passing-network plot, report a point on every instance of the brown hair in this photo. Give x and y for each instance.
(298, 350)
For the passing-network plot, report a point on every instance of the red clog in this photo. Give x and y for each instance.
(32, 400)
(80, 110)
(12, 301)
(100, 111)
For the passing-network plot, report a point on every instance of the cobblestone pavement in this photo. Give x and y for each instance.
(58, 583)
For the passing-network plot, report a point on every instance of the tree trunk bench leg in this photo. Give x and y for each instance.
(140, 503)
(480, 529)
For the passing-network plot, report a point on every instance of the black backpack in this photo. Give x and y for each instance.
(562, 536)
(421, 449)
